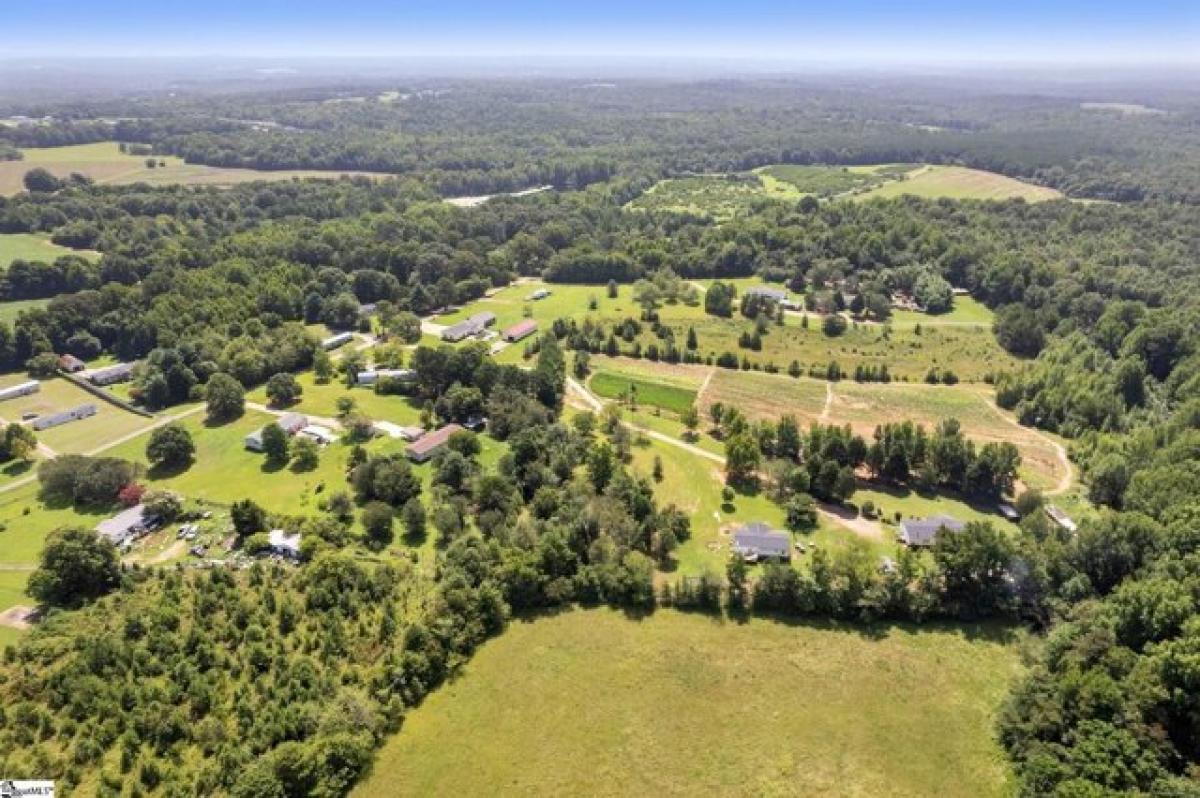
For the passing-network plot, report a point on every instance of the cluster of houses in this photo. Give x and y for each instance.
(474, 326)
(293, 424)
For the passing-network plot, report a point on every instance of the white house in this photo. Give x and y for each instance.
(284, 544)
(21, 389)
(334, 341)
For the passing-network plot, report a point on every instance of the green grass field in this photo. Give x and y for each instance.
(959, 344)
(966, 311)
(104, 163)
(594, 703)
(34, 247)
(827, 181)
(957, 182)
(642, 392)
(969, 350)
(321, 400)
(9, 311)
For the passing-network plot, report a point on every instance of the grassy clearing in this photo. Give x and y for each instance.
(225, 471)
(105, 163)
(970, 351)
(767, 395)
(966, 311)
(718, 197)
(593, 703)
(957, 182)
(642, 392)
(35, 247)
(321, 400)
(829, 181)
(9, 311)
(75, 437)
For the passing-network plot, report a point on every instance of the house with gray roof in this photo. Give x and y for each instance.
(921, 532)
(766, 292)
(127, 525)
(757, 541)
(121, 372)
(473, 326)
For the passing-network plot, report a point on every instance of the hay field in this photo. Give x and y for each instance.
(590, 702)
(958, 182)
(106, 164)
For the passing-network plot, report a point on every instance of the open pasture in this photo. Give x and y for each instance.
(755, 708)
(959, 182)
(105, 163)
(970, 350)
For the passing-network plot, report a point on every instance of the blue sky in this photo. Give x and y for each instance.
(835, 30)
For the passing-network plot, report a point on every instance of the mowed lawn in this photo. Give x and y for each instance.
(35, 247)
(74, 437)
(320, 399)
(105, 163)
(958, 182)
(590, 702)
(639, 391)
(224, 471)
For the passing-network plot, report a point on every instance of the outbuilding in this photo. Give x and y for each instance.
(522, 329)
(71, 364)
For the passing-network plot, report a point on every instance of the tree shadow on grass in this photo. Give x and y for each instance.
(17, 468)
(168, 470)
(271, 467)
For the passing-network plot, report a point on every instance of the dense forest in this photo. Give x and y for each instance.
(291, 677)
(466, 137)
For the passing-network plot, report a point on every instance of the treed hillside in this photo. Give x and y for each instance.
(483, 137)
